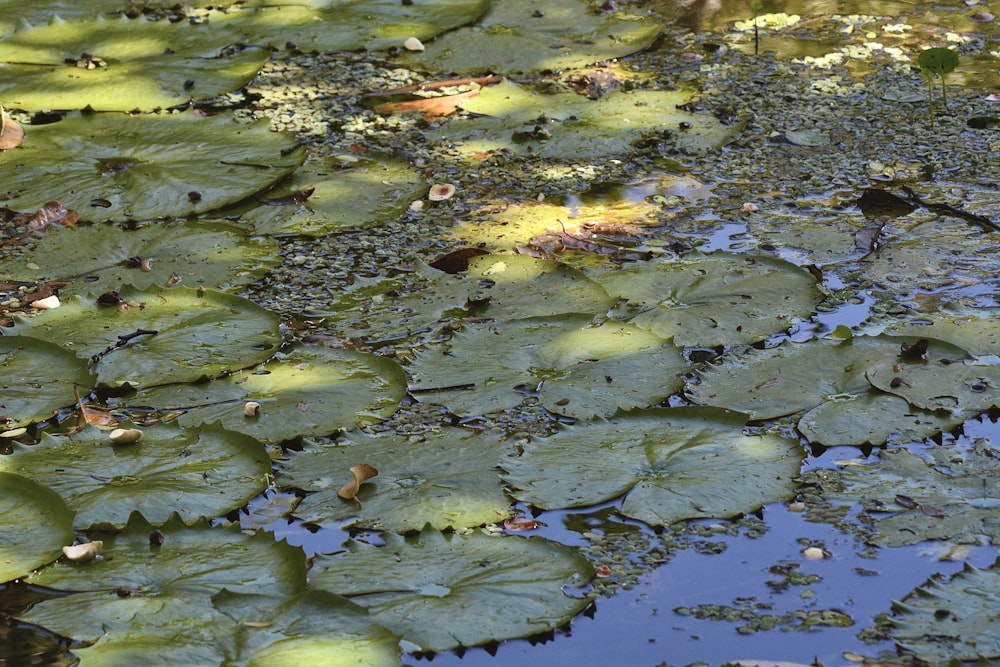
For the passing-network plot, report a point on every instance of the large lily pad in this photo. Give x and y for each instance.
(195, 474)
(304, 391)
(37, 378)
(343, 193)
(191, 334)
(951, 498)
(977, 331)
(949, 622)
(441, 591)
(36, 525)
(669, 463)
(349, 25)
(515, 37)
(447, 479)
(583, 371)
(114, 167)
(104, 257)
(717, 299)
(952, 383)
(121, 64)
(567, 125)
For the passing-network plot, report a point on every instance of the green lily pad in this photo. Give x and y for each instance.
(36, 379)
(304, 391)
(196, 334)
(951, 498)
(669, 463)
(583, 371)
(314, 628)
(977, 332)
(514, 36)
(350, 25)
(114, 167)
(121, 64)
(791, 377)
(952, 383)
(717, 299)
(872, 418)
(567, 125)
(447, 479)
(228, 560)
(104, 257)
(345, 193)
(441, 591)
(143, 595)
(949, 622)
(195, 474)
(37, 524)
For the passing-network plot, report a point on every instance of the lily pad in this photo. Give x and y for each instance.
(948, 622)
(315, 628)
(717, 299)
(977, 332)
(350, 25)
(669, 463)
(951, 497)
(104, 257)
(36, 525)
(342, 193)
(304, 391)
(36, 379)
(114, 167)
(791, 377)
(952, 383)
(120, 64)
(447, 480)
(442, 591)
(583, 371)
(190, 334)
(567, 125)
(523, 36)
(195, 474)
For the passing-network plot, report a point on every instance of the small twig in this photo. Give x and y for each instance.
(947, 209)
(122, 342)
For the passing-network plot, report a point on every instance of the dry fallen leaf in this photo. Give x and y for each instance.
(11, 132)
(92, 416)
(361, 472)
(51, 213)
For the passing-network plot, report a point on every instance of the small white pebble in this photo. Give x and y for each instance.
(81, 553)
(413, 44)
(48, 303)
(797, 506)
(814, 553)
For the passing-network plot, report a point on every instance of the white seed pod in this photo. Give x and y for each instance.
(251, 409)
(413, 44)
(48, 303)
(814, 553)
(125, 436)
(81, 553)
(440, 192)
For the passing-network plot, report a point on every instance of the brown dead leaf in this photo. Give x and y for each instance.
(11, 132)
(361, 472)
(457, 261)
(430, 107)
(50, 214)
(91, 416)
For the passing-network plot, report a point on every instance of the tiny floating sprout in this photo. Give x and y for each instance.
(81, 553)
(125, 436)
(936, 63)
(441, 192)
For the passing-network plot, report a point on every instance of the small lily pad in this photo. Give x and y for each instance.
(115, 167)
(195, 474)
(446, 479)
(441, 591)
(669, 463)
(36, 525)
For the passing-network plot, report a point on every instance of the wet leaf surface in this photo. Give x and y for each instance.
(37, 523)
(38, 379)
